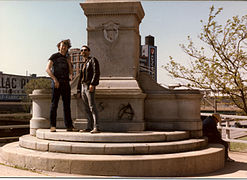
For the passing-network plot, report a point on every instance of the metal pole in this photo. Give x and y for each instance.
(227, 130)
(215, 105)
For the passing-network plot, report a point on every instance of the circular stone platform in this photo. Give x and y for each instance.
(157, 165)
(142, 136)
(34, 143)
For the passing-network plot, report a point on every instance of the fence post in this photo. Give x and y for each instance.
(220, 128)
(227, 130)
(215, 105)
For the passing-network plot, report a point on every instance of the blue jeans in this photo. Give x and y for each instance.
(88, 100)
(65, 91)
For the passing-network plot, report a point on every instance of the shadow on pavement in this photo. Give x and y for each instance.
(230, 168)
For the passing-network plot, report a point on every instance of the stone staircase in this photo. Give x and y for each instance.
(12, 126)
(130, 154)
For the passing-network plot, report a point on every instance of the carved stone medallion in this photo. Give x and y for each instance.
(110, 30)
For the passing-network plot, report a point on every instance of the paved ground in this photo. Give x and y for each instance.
(237, 169)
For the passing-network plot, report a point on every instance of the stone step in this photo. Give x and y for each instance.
(8, 139)
(32, 142)
(20, 126)
(12, 131)
(15, 118)
(190, 163)
(140, 136)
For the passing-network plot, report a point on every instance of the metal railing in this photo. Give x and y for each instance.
(225, 126)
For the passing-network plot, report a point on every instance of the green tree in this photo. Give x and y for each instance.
(220, 64)
(39, 83)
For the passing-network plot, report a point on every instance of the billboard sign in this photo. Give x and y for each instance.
(12, 87)
(152, 59)
(144, 53)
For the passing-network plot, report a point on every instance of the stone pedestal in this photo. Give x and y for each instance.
(41, 99)
(113, 37)
(121, 105)
(41, 103)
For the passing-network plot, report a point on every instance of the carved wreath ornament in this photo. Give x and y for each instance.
(110, 30)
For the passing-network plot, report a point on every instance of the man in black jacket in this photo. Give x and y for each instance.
(210, 130)
(59, 68)
(89, 79)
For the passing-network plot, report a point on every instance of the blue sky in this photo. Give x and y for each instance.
(30, 30)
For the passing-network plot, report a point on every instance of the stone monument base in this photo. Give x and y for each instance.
(136, 154)
(120, 104)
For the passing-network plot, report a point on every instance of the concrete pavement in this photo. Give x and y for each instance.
(237, 169)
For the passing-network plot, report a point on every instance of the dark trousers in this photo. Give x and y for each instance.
(65, 91)
(88, 100)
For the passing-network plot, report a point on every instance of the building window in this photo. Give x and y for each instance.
(74, 58)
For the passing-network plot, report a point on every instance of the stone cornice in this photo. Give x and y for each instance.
(170, 95)
(120, 29)
(113, 8)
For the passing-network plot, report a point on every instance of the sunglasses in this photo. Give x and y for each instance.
(84, 50)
